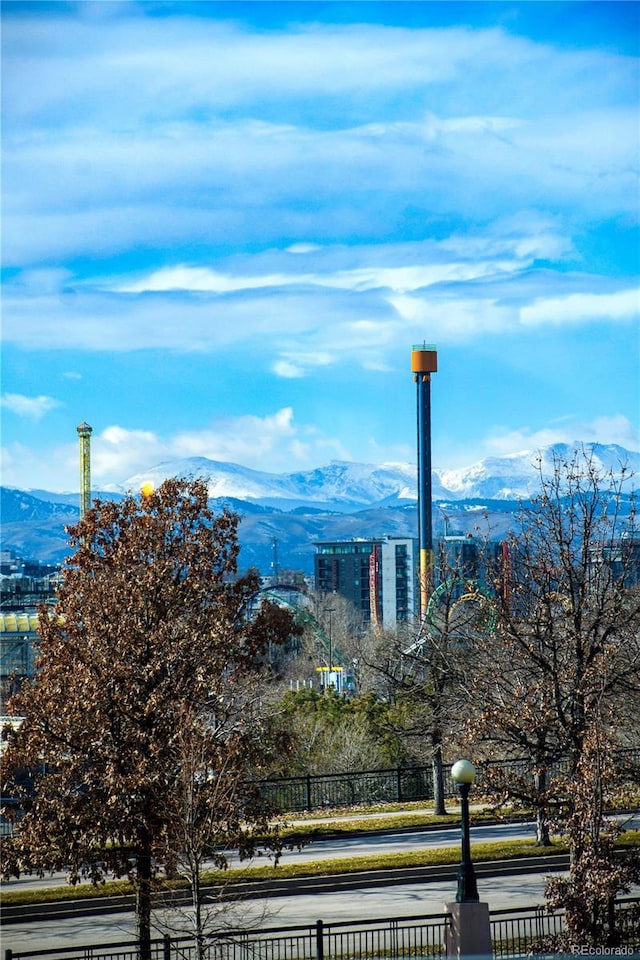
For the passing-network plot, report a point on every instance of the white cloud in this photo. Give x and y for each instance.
(606, 430)
(273, 443)
(303, 248)
(118, 64)
(502, 440)
(582, 308)
(346, 305)
(401, 278)
(455, 319)
(117, 452)
(288, 370)
(245, 181)
(160, 131)
(32, 408)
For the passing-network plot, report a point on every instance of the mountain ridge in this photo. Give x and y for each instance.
(514, 476)
(340, 501)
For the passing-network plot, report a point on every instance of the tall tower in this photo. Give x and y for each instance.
(424, 362)
(84, 435)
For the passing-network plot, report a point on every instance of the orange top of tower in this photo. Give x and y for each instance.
(424, 358)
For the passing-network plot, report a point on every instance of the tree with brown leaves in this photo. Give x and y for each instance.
(599, 872)
(152, 633)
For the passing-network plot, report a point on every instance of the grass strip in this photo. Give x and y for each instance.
(482, 852)
(376, 824)
(366, 808)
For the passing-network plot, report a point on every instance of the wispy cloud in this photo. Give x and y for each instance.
(463, 288)
(373, 277)
(583, 308)
(617, 430)
(292, 205)
(32, 408)
(115, 67)
(289, 146)
(274, 442)
(248, 180)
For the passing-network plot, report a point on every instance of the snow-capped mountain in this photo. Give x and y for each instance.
(517, 476)
(345, 485)
(342, 484)
(335, 502)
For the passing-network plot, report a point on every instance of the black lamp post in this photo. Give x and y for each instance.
(463, 774)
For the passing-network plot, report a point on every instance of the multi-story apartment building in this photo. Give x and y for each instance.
(467, 558)
(380, 576)
(377, 576)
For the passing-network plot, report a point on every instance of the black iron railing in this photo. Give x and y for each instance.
(324, 791)
(389, 785)
(409, 937)
(517, 932)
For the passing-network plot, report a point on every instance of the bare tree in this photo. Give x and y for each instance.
(564, 666)
(421, 667)
(223, 749)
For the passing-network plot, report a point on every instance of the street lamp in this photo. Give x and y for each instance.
(463, 774)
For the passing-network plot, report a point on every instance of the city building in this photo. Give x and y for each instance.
(18, 636)
(24, 584)
(621, 556)
(378, 576)
(467, 558)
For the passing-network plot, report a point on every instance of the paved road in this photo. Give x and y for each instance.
(377, 902)
(401, 900)
(345, 848)
(349, 846)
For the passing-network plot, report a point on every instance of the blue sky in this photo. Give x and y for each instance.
(226, 224)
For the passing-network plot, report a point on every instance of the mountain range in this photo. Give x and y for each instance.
(339, 501)
(347, 485)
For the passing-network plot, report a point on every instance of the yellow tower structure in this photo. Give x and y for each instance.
(84, 435)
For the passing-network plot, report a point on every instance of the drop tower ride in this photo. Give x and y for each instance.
(424, 362)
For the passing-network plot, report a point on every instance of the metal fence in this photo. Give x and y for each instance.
(408, 937)
(517, 932)
(324, 791)
(390, 785)
(531, 932)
